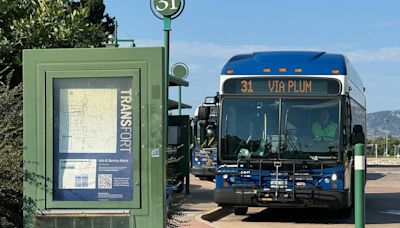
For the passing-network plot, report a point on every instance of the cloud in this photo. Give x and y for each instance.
(184, 50)
(206, 59)
(387, 54)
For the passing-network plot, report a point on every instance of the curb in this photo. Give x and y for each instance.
(199, 219)
(383, 166)
(214, 215)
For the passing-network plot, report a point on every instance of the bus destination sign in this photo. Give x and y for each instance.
(282, 86)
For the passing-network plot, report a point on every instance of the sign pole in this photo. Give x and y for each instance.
(359, 195)
(167, 10)
(180, 100)
(180, 70)
(167, 29)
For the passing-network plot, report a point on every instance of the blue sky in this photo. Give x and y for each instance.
(209, 32)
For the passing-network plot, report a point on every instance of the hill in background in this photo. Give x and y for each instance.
(376, 124)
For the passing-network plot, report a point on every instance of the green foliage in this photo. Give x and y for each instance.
(381, 141)
(26, 24)
(174, 178)
(49, 24)
(175, 214)
(52, 24)
(11, 161)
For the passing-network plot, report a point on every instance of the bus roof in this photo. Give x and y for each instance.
(286, 63)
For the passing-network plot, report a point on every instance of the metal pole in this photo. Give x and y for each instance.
(180, 99)
(116, 33)
(376, 151)
(359, 197)
(167, 28)
(386, 138)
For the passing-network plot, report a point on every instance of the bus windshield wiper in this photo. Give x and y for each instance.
(287, 141)
(322, 157)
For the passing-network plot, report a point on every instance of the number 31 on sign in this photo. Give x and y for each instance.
(167, 8)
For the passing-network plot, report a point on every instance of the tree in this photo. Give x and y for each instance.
(26, 24)
(381, 142)
(11, 172)
(49, 24)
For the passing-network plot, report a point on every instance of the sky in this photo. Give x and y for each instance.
(209, 32)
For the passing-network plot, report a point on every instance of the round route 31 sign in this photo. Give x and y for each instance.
(167, 8)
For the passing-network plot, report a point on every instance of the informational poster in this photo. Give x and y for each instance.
(87, 124)
(93, 139)
(77, 174)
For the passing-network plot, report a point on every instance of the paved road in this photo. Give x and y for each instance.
(382, 208)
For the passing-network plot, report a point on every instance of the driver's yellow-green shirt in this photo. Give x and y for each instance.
(328, 131)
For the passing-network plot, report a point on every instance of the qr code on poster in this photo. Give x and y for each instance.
(105, 181)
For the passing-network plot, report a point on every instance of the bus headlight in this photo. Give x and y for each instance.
(225, 176)
(334, 177)
(327, 180)
(232, 179)
(196, 159)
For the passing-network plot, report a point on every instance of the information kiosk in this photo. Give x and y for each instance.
(94, 138)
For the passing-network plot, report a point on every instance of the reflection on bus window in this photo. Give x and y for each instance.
(251, 128)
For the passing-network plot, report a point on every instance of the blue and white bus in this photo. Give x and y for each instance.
(205, 134)
(288, 123)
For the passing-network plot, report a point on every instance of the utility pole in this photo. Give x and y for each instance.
(386, 138)
(396, 153)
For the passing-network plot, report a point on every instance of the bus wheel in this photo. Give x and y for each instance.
(210, 179)
(240, 210)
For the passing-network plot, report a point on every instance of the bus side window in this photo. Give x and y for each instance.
(347, 123)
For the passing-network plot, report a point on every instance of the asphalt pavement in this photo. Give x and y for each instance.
(382, 207)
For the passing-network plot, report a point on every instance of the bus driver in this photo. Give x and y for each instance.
(325, 129)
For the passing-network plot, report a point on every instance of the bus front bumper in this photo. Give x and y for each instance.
(202, 171)
(302, 198)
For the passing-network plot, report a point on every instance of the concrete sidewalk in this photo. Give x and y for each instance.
(199, 202)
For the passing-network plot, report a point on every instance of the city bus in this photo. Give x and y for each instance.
(204, 151)
(288, 123)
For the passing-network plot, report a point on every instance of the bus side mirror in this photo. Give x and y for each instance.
(204, 113)
(358, 135)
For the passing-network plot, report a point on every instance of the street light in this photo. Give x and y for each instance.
(386, 138)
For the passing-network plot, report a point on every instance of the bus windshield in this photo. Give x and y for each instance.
(252, 129)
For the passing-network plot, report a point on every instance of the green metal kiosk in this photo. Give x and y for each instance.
(94, 137)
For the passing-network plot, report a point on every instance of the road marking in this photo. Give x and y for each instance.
(385, 172)
(392, 212)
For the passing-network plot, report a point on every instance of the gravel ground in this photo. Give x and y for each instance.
(389, 161)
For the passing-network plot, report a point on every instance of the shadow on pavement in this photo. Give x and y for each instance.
(304, 215)
(199, 195)
(194, 187)
(375, 176)
(217, 215)
(381, 208)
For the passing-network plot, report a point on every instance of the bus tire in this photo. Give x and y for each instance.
(210, 179)
(240, 210)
